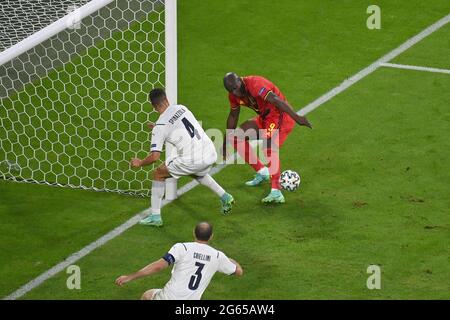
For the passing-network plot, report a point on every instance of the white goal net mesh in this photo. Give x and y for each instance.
(73, 109)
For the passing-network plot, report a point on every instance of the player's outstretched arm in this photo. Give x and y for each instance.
(233, 118)
(152, 268)
(239, 271)
(152, 157)
(232, 122)
(285, 107)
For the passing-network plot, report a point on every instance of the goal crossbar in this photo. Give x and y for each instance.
(56, 27)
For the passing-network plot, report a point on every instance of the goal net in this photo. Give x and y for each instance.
(74, 84)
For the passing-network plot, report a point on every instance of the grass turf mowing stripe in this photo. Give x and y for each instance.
(310, 107)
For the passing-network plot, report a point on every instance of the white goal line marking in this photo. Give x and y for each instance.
(189, 186)
(374, 66)
(418, 68)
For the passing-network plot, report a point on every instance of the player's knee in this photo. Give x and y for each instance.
(148, 295)
(158, 174)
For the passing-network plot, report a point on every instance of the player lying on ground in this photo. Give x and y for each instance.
(194, 265)
(275, 117)
(195, 154)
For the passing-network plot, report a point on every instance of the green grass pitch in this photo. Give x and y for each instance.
(375, 169)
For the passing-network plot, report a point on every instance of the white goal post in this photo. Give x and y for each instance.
(74, 94)
(171, 76)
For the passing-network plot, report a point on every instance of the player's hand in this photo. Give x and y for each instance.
(304, 122)
(120, 281)
(135, 162)
(150, 125)
(309, 125)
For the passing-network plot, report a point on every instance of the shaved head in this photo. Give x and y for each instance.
(234, 84)
(203, 231)
(230, 81)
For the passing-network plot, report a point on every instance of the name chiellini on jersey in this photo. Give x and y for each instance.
(194, 265)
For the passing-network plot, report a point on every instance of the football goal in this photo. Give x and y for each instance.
(74, 82)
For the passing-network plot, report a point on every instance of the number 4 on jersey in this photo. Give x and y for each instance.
(190, 128)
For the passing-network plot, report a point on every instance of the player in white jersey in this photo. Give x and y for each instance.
(194, 265)
(195, 154)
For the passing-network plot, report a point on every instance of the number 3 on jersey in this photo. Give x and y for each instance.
(190, 128)
(195, 279)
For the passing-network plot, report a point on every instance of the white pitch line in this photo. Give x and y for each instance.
(189, 186)
(374, 66)
(418, 68)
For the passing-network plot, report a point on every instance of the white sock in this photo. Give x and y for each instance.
(209, 182)
(157, 195)
(264, 171)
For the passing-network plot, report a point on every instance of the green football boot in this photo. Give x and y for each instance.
(227, 202)
(275, 196)
(260, 177)
(152, 220)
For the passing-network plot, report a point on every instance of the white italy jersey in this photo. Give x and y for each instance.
(178, 126)
(194, 266)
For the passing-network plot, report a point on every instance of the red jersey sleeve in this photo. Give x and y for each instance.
(259, 87)
(234, 102)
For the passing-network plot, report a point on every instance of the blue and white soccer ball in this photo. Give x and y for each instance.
(289, 180)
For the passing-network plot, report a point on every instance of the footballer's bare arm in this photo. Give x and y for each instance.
(232, 122)
(239, 271)
(233, 118)
(285, 107)
(148, 270)
(151, 158)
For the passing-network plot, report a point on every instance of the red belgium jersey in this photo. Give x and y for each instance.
(269, 116)
(258, 88)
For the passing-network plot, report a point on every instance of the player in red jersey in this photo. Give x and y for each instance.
(275, 120)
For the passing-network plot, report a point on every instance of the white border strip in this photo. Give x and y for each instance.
(313, 105)
(409, 67)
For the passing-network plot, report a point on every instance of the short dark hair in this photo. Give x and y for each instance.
(203, 231)
(157, 95)
(229, 81)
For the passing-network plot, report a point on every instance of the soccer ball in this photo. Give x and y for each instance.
(289, 180)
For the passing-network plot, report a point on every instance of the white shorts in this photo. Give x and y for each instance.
(179, 167)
